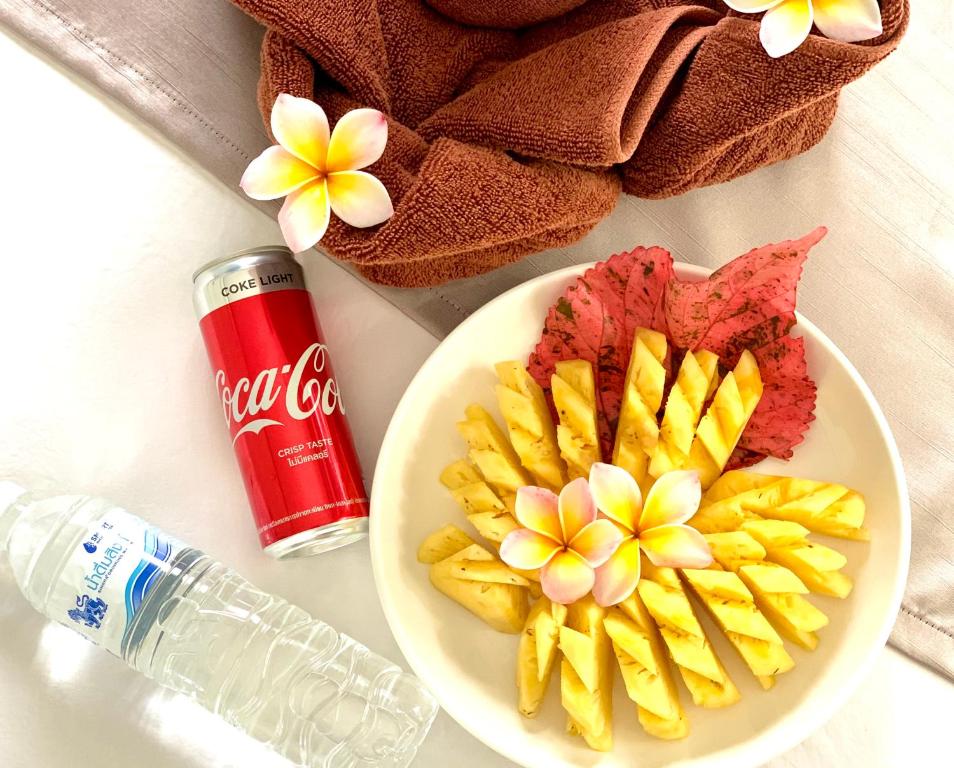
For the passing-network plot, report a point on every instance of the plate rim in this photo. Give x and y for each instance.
(784, 735)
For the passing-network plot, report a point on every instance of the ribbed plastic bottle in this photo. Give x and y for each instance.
(193, 625)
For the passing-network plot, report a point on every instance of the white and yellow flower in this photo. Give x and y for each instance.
(787, 23)
(318, 171)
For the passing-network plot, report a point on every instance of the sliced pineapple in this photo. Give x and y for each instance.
(778, 592)
(665, 598)
(484, 509)
(537, 653)
(524, 408)
(587, 674)
(733, 607)
(720, 429)
(638, 431)
(645, 668)
(574, 395)
(503, 606)
(827, 508)
(683, 410)
(779, 595)
(491, 452)
(443, 543)
(486, 571)
(818, 566)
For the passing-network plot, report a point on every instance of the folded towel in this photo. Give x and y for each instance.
(515, 123)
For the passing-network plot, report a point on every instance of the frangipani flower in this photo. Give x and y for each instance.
(787, 23)
(656, 527)
(319, 172)
(563, 537)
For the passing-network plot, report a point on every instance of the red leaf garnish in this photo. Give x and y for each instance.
(747, 304)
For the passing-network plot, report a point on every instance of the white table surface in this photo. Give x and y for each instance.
(105, 389)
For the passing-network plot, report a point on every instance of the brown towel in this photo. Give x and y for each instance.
(515, 123)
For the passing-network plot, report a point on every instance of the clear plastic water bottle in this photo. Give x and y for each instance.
(170, 611)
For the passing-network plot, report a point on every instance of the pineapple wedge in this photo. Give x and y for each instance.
(779, 595)
(524, 408)
(645, 668)
(778, 592)
(487, 572)
(637, 431)
(484, 509)
(443, 543)
(574, 395)
(537, 653)
(733, 607)
(492, 453)
(818, 566)
(722, 426)
(586, 674)
(827, 508)
(683, 410)
(665, 598)
(503, 606)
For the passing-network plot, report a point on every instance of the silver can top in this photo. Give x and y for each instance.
(238, 276)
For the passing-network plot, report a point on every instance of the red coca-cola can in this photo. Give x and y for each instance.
(281, 401)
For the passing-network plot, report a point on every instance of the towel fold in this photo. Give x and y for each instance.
(515, 123)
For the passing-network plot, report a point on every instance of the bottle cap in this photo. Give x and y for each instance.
(9, 493)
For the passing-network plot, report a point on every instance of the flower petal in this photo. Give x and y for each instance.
(357, 140)
(577, 509)
(301, 127)
(358, 198)
(597, 542)
(536, 509)
(618, 577)
(672, 500)
(527, 549)
(616, 494)
(676, 546)
(751, 6)
(566, 578)
(848, 20)
(275, 173)
(785, 27)
(304, 216)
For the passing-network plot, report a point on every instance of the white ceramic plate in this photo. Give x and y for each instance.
(470, 667)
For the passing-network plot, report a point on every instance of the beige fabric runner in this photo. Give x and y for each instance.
(881, 285)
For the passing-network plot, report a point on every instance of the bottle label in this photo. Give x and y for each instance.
(109, 575)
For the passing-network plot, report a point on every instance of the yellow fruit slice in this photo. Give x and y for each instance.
(779, 595)
(645, 669)
(491, 452)
(443, 543)
(536, 654)
(503, 606)
(637, 430)
(524, 408)
(486, 571)
(720, 429)
(733, 607)
(484, 509)
(818, 566)
(778, 592)
(683, 410)
(827, 508)
(574, 395)
(665, 598)
(589, 705)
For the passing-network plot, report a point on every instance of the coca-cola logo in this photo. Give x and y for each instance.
(305, 392)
